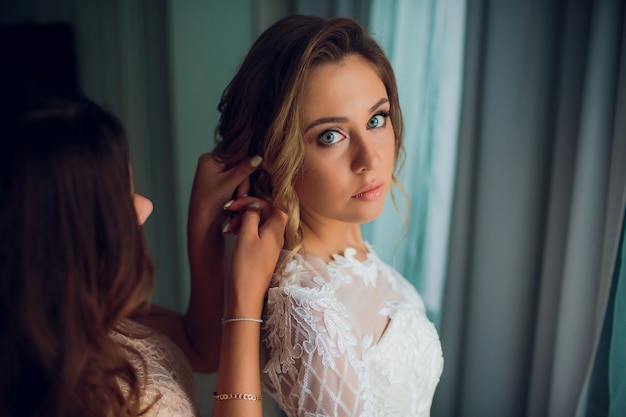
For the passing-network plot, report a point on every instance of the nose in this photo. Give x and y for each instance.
(143, 207)
(365, 155)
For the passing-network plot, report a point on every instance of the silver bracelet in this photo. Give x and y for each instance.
(224, 321)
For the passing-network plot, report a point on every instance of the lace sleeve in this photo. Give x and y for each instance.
(312, 367)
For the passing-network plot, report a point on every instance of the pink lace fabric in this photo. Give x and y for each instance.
(349, 338)
(169, 375)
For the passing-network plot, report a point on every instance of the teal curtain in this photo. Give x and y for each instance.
(424, 41)
(617, 350)
(356, 9)
(607, 388)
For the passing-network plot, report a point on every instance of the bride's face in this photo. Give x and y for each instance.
(349, 143)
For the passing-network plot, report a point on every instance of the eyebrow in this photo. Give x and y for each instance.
(325, 120)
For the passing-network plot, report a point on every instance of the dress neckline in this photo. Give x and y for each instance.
(348, 256)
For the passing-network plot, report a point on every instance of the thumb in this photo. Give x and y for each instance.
(250, 220)
(276, 223)
(240, 172)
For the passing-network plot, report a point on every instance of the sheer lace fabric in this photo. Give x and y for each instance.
(169, 376)
(349, 338)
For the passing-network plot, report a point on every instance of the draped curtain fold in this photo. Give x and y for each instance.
(534, 216)
(605, 391)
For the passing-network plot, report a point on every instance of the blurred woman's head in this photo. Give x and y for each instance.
(72, 257)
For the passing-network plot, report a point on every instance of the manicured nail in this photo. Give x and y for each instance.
(255, 205)
(230, 203)
(225, 226)
(255, 161)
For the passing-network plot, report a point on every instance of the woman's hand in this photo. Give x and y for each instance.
(213, 186)
(260, 233)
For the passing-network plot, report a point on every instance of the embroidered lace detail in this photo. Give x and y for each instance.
(349, 338)
(170, 378)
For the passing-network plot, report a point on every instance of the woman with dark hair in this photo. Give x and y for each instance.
(76, 281)
(344, 333)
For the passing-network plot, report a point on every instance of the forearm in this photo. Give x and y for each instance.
(239, 367)
(206, 302)
(214, 184)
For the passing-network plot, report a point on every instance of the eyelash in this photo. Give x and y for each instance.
(384, 114)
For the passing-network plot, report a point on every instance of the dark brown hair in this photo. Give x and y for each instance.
(261, 107)
(72, 260)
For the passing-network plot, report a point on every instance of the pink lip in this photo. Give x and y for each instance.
(370, 192)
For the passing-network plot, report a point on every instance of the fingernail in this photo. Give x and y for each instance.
(255, 161)
(225, 226)
(230, 203)
(255, 205)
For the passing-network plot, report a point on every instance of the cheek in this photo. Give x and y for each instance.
(390, 153)
(309, 186)
(316, 183)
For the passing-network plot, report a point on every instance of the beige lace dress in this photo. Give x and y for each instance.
(169, 376)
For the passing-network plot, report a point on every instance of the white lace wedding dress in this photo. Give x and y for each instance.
(169, 376)
(349, 338)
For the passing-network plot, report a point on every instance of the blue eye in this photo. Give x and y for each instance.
(330, 137)
(377, 121)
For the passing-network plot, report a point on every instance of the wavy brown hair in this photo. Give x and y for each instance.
(261, 107)
(73, 262)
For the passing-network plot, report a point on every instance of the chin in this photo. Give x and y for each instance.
(366, 216)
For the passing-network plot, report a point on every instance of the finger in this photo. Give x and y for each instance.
(251, 219)
(209, 166)
(276, 223)
(226, 180)
(244, 188)
(243, 203)
(232, 224)
(237, 174)
(210, 180)
(265, 209)
(210, 161)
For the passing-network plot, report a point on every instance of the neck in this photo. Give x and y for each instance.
(332, 239)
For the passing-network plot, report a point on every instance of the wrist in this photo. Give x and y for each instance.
(236, 307)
